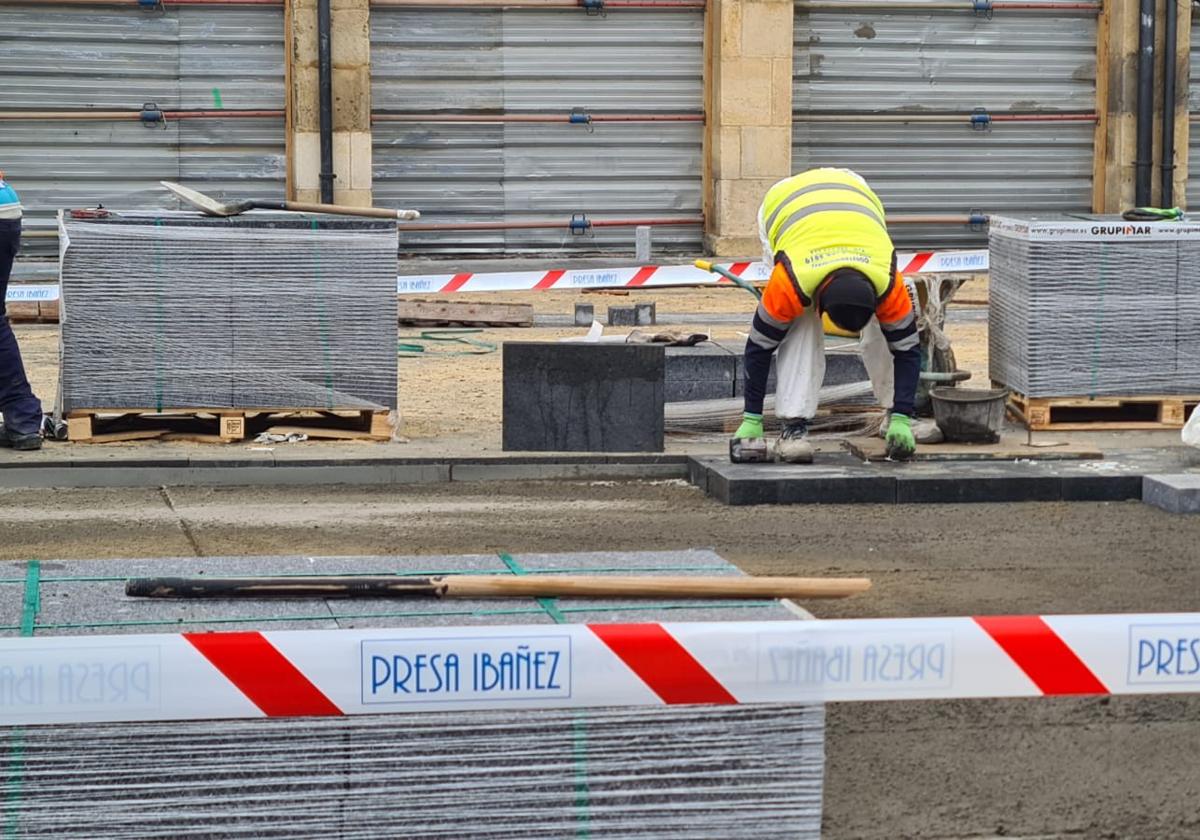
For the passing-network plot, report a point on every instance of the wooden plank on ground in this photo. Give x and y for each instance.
(438, 312)
(1010, 448)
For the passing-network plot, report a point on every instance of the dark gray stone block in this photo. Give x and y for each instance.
(645, 314)
(622, 316)
(757, 484)
(1178, 493)
(698, 473)
(1101, 488)
(845, 488)
(689, 390)
(583, 397)
(963, 486)
(585, 313)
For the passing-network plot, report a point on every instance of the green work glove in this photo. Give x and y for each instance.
(900, 442)
(751, 426)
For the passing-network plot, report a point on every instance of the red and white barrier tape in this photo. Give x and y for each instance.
(921, 262)
(341, 672)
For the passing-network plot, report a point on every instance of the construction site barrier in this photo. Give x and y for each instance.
(197, 676)
(919, 262)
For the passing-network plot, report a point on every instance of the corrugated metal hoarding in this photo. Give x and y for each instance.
(80, 58)
(490, 61)
(857, 64)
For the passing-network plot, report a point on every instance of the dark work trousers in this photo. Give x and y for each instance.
(21, 409)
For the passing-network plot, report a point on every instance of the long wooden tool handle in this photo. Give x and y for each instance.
(343, 210)
(497, 586)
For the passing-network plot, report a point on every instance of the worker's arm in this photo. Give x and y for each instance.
(899, 325)
(776, 311)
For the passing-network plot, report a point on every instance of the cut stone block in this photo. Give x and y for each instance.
(622, 316)
(583, 397)
(585, 313)
(1175, 493)
(645, 314)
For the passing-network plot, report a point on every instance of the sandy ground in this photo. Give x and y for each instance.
(1069, 768)
(443, 391)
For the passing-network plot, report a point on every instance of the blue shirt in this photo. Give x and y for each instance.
(10, 202)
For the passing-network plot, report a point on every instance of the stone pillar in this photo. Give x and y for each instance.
(350, 46)
(1116, 105)
(748, 102)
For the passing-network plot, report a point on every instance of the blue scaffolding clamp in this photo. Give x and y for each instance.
(594, 7)
(981, 120)
(982, 8)
(578, 116)
(151, 115)
(977, 219)
(579, 224)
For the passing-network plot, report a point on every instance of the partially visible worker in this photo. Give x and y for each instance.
(22, 425)
(825, 233)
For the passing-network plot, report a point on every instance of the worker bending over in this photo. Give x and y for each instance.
(22, 426)
(825, 233)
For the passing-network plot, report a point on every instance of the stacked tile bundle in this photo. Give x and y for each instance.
(667, 773)
(1094, 306)
(265, 310)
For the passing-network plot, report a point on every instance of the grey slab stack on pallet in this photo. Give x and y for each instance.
(1094, 306)
(714, 370)
(264, 310)
(653, 772)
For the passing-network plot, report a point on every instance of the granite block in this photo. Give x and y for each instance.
(583, 397)
(1174, 493)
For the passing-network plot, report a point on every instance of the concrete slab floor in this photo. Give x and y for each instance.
(1120, 768)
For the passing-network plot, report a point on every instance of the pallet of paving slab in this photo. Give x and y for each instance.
(224, 425)
(1146, 412)
(442, 313)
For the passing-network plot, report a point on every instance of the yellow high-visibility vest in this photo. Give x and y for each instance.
(826, 219)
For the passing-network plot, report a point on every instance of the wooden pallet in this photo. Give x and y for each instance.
(221, 425)
(1097, 414)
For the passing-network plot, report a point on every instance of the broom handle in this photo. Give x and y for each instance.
(497, 586)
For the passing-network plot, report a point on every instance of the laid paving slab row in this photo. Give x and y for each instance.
(838, 479)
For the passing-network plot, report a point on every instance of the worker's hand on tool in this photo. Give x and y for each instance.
(900, 442)
(751, 427)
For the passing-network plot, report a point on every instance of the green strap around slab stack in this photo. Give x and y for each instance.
(30, 604)
(158, 322)
(1098, 326)
(583, 817)
(323, 320)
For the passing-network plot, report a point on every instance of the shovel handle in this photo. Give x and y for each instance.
(340, 210)
(498, 586)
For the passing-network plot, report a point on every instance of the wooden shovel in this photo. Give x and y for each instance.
(496, 586)
(212, 207)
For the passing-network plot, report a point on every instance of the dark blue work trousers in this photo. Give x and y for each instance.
(21, 409)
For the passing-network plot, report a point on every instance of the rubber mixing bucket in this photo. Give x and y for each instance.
(970, 415)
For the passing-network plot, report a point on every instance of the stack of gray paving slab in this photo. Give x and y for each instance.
(263, 310)
(1094, 306)
(654, 772)
(715, 370)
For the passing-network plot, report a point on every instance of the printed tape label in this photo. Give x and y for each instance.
(464, 669)
(64, 680)
(1164, 654)
(21, 294)
(862, 662)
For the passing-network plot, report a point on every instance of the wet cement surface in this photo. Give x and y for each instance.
(1120, 767)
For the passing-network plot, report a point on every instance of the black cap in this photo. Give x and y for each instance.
(848, 298)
